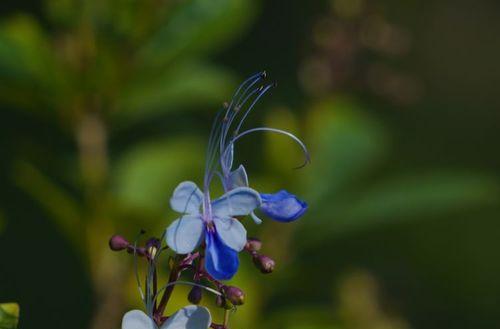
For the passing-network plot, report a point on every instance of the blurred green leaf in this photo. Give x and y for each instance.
(349, 145)
(319, 316)
(182, 85)
(146, 176)
(404, 198)
(196, 27)
(19, 39)
(129, 21)
(63, 12)
(344, 144)
(58, 203)
(413, 196)
(9, 315)
(28, 71)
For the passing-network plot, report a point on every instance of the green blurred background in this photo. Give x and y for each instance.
(105, 107)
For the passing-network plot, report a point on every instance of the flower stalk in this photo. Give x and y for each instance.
(209, 234)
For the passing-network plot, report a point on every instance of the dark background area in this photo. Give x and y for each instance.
(398, 102)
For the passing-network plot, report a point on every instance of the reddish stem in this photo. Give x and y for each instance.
(174, 276)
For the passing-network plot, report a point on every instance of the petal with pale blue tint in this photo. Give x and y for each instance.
(185, 234)
(221, 262)
(232, 232)
(187, 198)
(137, 320)
(282, 206)
(238, 178)
(189, 317)
(238, 202)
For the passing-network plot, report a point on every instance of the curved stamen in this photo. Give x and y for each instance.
(220, 127)
(214, 131)
(259, 75)
(227, 127)
(212, 148)
(278, 131)
(234, 107)
(264, 90)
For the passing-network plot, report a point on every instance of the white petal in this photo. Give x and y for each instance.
(189, 317)
(238, 202)
(239, 177)
(137, 320)
(185, 234)
(187, 198)
(232, 232)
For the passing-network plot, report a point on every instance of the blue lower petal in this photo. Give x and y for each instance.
(221, 262)
(282, 206)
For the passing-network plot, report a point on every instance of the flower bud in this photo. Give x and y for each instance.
(253, 244)
(152, 246)
(220, 301)
(223, 302)
(195, 295)
(263, 263)
(117, 243)
(235, 295)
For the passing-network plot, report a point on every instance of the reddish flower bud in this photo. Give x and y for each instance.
(253, 244)
(235, 295)
(195, 295)
(117, 243)
(153, 242)
(152, 246)
(263, 263)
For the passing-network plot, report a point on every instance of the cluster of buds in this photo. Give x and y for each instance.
(227, 296)
(264, 263)
(209, 234)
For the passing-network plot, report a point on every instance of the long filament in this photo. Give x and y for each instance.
(235, 113)
(278, 131)
(238, 105)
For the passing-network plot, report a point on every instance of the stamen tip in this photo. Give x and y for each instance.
(263, 74)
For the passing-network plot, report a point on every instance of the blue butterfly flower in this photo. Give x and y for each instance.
(213, 223)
